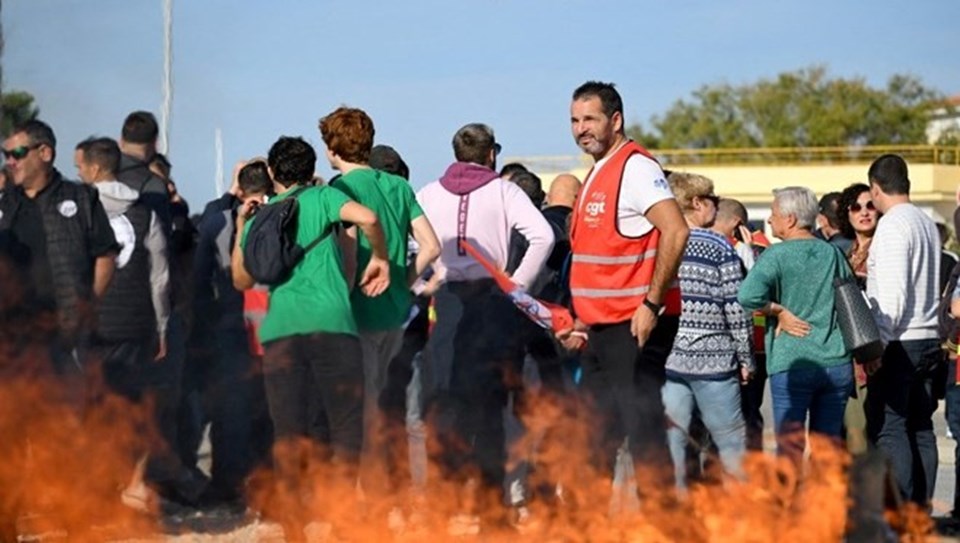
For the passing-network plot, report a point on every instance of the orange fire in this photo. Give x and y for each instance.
(62, 474)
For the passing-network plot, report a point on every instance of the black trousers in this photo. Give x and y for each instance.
(324, 367)
(622, 383)
(487, 352)
(129, 370)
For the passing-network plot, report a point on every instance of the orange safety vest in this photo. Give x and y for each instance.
(610, 273)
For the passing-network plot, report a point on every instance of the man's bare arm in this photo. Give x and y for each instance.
(674, 232)
(429, 247)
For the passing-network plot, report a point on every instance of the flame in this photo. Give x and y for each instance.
(63, 471)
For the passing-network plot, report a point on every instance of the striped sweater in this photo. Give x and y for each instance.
(903, 274)
(714, 334)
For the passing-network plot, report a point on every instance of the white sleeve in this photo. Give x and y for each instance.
(887, 278)
(644, 185)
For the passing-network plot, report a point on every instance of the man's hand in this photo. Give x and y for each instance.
(247, 210)
(745, 375)
(791, 324)
(162, 349)
(745, 234)
(642, 324)
(573, 339)
(376, 277)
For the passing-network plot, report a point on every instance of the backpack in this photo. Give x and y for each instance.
(946, 324)
(271, 252)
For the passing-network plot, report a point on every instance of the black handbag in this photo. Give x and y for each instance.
(857, 325)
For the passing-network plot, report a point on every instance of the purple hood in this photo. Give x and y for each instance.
(466, 177)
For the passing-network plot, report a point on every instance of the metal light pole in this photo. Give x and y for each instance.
(163, 145)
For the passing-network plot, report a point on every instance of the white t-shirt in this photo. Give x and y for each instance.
(644, 185)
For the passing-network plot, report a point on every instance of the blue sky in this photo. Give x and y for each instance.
(423, 68)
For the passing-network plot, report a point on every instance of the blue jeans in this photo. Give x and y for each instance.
(719, 404)
(952, 399)
(900, 410)
(821, 392)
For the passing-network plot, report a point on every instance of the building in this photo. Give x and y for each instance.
(750, 175)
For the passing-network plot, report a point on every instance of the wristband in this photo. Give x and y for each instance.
(655, 308)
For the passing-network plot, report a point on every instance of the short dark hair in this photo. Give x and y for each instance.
(828, 207)
(531, 185)
(508, 170)
(847, 198)
(292, 160)
(610, 99)
(473, 143)
(889, 172)
(38, 132)
(103, 152)
(140, 127)
(254, 178)
(348, 132)
(387, 159)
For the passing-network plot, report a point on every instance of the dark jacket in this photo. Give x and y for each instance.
(218, 307)
(77, 233)
(549, 284)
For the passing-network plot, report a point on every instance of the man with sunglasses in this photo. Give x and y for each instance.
(56, 234)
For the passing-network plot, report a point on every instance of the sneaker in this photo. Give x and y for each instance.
(462, 525)
(523, 520)
(140, 497)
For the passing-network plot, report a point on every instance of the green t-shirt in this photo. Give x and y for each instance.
(392, 199)
(799, 275)
(315, 297)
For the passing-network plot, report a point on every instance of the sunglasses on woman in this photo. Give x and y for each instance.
(855, 208)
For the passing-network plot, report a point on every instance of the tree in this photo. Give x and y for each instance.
(16, 106)
(803, 108)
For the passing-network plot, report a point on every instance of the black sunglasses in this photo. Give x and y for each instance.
(713, 198)
(18, 153)
(856, 207)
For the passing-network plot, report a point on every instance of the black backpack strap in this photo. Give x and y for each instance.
(317, 241)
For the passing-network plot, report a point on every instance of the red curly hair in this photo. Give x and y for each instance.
(348, 133)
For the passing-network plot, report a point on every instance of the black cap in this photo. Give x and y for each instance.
(387, 159)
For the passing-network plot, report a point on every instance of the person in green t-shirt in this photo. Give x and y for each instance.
(311, 350)
(348, 134)
(809, 366)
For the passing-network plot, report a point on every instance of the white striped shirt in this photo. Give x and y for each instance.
(903, 274)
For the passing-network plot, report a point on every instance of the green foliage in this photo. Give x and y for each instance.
(803, 108)
(15, 108)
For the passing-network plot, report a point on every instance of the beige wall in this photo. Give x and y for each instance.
(933, 187)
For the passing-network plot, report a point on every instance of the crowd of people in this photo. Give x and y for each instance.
(345, 322)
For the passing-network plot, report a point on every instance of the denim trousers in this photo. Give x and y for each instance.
(719, 405)
(900, 410)
(821, 393)
(952, 399)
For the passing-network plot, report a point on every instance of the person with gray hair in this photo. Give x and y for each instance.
(475, 343)
(792, 283)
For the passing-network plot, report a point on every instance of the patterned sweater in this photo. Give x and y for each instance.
(714, 334)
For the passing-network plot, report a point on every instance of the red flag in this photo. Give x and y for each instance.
(550, 316)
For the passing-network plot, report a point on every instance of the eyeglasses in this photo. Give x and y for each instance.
(497, 148)
(713, 198)
(19, 153)
(856, 207)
